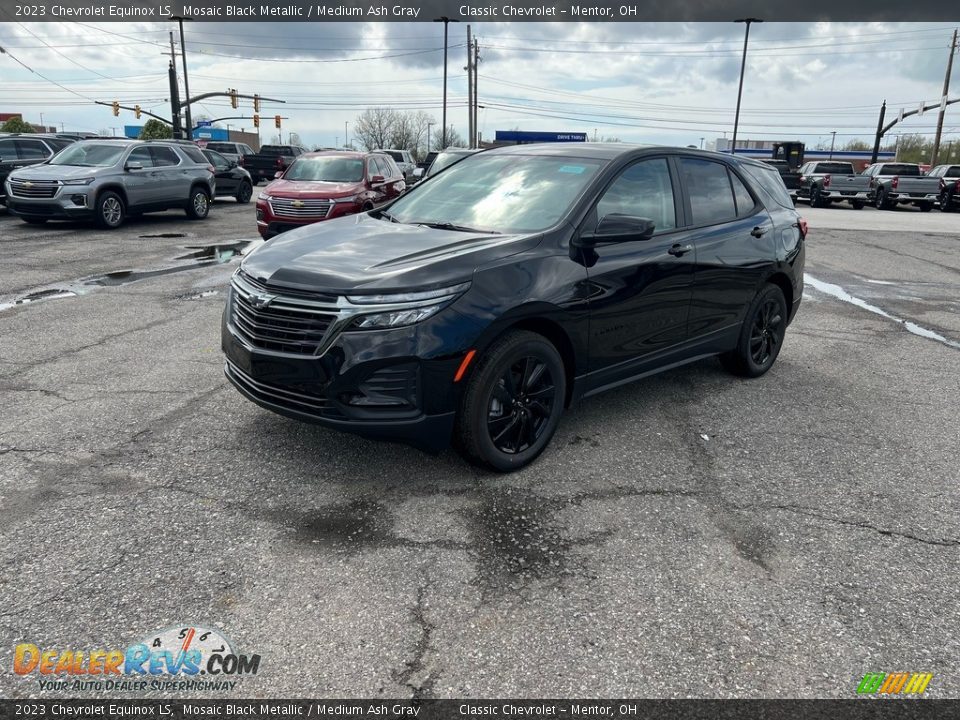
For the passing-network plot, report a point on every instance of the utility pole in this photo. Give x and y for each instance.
(346, 144)
(876, 141)
(186, 82)
(446, 22)
(469, 69)
(174, 92)
(429, 125)
(833, 140)
(476, 103)
(943, 100)
(743, 67)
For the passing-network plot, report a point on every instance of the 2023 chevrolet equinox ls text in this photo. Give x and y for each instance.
(481, 303)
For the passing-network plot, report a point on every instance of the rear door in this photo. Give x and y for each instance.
(226, 182)
(141, 185)
(640, 290)
(172, 180)
(734, 242)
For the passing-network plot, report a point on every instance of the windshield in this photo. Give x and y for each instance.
(446, 159)
(87, 154)
(499, 193)
(329, 168)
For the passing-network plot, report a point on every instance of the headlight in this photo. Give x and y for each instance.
(397, 310)
(352, 198)
(263, 196)
(79, 181)
(398, 318)
(392, 298)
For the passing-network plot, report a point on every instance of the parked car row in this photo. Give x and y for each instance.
(883, 185)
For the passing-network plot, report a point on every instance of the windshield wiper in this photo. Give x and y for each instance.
(387, 216)
(452, 226)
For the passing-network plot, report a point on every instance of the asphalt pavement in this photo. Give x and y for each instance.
(693, 534)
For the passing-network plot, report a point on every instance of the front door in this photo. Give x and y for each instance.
(640, 290)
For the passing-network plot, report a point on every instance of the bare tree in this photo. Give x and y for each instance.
(454, 139)
(374, 127)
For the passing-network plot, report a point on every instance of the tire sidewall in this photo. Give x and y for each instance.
(244, 186)
(476, 413)
(191, 207)
(753, 369)
(101, 218)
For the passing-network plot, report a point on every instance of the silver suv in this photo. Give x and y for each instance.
(404, 161)
(106, 180)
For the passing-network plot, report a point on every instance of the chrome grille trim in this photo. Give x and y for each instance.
(288, 207)
(34, 188)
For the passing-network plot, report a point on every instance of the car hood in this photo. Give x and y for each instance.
(360, 252)
(312, 188)
(53, 172)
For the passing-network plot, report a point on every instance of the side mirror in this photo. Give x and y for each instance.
(418, 172)
(231, 165)
(620, 228)
(133, 166)
(278, 174)
(377, 179)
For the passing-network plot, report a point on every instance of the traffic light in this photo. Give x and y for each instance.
(276, 120)
(256, 121)
(116, 109)
(256, 103)
(233, 98)
(136, 111)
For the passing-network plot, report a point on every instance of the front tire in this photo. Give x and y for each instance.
(198, 206)
(816, 198)
(512, 403)
(880, 201)
(110, 211)
(244, 193)
(761, 335)
(925, 206)
(945, 204)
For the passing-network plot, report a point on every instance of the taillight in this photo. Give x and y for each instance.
(803, 178)
(212, 169)
(895, 183)
(240, 160)
(956, 186)
(280, 163)
(802, 224)
(826, 181)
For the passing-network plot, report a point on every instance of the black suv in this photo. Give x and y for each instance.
(17, 151)
(522, 279)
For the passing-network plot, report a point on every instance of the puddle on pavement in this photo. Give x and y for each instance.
(166, 235)
(199, 295)
(840, 294)
(516, 540)
(202, 256)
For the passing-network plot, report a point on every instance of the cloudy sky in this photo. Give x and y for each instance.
(643, 82)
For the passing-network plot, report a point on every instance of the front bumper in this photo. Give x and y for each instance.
(270, 223)
(394, 384)
(65, 206)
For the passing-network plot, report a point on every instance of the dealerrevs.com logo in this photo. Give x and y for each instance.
(177, 658)
(898, 683)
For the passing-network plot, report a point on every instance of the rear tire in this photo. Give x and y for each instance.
(34, 220)
(198, 206)
(857, 204)
(110, 210)
(816, 198)
(761, 335)
(880, 201)
(945, 204)
(925, 206)
(512, 403)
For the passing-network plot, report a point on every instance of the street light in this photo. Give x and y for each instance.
(743, 67)
(429, 125)
(186, 83)
(446, 21)
(346, 143)
(833, 140)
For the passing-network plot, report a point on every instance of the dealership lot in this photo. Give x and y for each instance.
(692, 534)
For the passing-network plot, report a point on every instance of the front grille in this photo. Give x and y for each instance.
(289, 323)
(316, 209)
(298, 399)
(34, 188)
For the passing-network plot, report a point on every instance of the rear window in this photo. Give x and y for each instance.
(953, 172)
(768, 180)
(900, 169)
(222, 147)
(837, 168)
(194, 154)
(395, 154)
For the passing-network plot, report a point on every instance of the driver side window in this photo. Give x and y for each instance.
(642, 190)
(141, 155)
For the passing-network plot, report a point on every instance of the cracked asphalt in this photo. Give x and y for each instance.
(689, 535)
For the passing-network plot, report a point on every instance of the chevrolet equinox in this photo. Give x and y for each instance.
(485, 300)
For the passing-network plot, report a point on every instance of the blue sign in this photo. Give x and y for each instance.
(132, 131)
(204, 123)
(210, 133)
(521, 136)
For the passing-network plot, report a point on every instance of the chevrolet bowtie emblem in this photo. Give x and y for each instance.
(28, 184)
(261, 300)
(297, 203)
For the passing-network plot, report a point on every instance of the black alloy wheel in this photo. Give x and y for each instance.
(512, 402)
(761, 335)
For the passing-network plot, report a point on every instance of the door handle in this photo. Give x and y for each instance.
(680, 250)
(759, 231)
